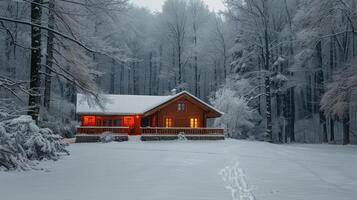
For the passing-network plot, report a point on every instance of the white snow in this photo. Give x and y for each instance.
(190, 170)
(120, 104)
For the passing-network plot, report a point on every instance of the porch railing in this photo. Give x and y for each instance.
(99, 130)
(186, 131)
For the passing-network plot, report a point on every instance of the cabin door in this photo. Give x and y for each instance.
(133, 123)
(130, 123)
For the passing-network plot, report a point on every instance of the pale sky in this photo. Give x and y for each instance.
(155, 5)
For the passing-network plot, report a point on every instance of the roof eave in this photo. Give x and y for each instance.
(107, 113)
(213, 109)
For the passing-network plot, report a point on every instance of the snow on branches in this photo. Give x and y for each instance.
(22, 142)
(239, 118)
(335, 101)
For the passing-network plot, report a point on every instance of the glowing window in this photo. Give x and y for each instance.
(193, 123)
(129, 122)
(168, 122)
(88, 121)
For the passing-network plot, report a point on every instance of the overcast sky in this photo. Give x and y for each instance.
(155, 5)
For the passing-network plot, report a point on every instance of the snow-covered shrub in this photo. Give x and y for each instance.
(22, 142)
(182, 137)
(107, 137)
(12, 155)
(239, 119)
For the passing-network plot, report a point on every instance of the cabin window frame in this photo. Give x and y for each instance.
(129, 121)
(88, 120)
(168, 122)
(181, 107)
(194, 122)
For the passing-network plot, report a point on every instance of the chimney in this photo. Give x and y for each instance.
(173, 92)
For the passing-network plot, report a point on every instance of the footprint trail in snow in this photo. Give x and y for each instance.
(236, 181)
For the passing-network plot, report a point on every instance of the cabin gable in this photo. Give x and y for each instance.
(181, 112)
(210, 111)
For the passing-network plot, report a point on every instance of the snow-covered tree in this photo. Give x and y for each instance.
(240, 120)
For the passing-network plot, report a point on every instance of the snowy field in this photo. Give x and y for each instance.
(181, 170)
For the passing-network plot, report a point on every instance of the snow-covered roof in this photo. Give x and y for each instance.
(128, 104)
(120, 104)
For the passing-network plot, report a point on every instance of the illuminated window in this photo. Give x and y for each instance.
(181, 107)
(168, 122)
(88, 121)
(193, 123)
(129, 122)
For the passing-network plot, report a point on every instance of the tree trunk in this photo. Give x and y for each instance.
(279, 104)
(269, 125)
(135, 81)
(331, 57)
(292, 115)
(199, 86)
(35, 79)
(160, 68)
(215, 76)
(267, 90)
(196, 58)
(49, 57)
(179, 66)
(150, 74)
(332, 131)
(121, 79)
(173, 66)
(319, 91)
(225, 62)
(346, 129)
(112, 78)
(129, 79)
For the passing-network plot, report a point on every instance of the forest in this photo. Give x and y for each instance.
(282, 71)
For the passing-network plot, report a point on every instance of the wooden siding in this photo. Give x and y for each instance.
(181, 119)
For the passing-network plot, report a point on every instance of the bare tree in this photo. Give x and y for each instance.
(174, 12)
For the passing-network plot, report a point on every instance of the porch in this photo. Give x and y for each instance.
(149, 134)
(156, 133)
(90, 134)
(94, 130)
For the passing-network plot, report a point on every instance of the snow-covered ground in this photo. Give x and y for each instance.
(187, 170)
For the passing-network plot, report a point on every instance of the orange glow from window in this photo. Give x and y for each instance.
(193, 123)
(137, 116)
(129, 121)
(168, 122)
(88, 121)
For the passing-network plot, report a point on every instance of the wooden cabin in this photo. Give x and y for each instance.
(149, 116)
